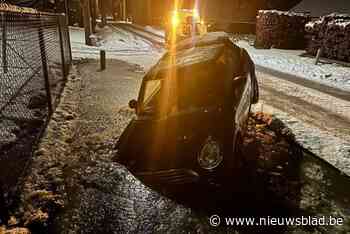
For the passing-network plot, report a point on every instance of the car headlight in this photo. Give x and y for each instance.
(210, 155)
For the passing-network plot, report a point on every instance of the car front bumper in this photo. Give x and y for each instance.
(172, 176)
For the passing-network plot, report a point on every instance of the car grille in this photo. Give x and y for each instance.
(173, 176)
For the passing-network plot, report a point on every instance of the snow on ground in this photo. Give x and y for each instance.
(291, 61)
(118, 44)
(155, 30)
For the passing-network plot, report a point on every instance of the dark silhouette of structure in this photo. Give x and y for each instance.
(220, 11)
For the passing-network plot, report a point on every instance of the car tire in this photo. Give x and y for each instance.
(232, 157)
(238, 153)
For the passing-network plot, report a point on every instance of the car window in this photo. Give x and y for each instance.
(151, 89)
(150, 98)
(199, 89)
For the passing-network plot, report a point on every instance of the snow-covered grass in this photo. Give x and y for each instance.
(118, 44)
(291, 61)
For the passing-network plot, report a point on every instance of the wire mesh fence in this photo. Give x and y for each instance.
(35, 57)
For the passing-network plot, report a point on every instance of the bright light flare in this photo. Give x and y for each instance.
(195, 13)
(175, 19)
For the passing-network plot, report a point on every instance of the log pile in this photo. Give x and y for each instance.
(16, 9)
(280, 29)
(332, 33)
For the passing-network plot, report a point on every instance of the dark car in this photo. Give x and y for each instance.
(192, 112)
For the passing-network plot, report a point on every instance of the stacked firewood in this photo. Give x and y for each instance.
(332, 34)
(13, 8)
(280, 29)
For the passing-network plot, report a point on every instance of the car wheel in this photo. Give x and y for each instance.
(223, 156)
(238, 153)
(230, 170)
(211, 153)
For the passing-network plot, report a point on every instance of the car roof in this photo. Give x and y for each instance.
(203, 40)
(191, 56)
(182, 10)
(196, 50)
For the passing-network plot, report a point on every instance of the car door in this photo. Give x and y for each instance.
(243, 94)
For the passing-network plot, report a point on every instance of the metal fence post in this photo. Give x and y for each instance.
(4, 41)
(66, 11)
(66, 28)
(61, 46)
(102, 60)
(3, 209)
(66, 37)
(69, 46)
(44, 65)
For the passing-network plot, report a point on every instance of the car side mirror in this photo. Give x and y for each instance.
(237, 85)
(133, 104)
(238, 81)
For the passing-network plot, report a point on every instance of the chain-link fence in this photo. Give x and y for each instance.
(35, 57)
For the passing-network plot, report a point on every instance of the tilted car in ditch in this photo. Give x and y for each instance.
(191, 113)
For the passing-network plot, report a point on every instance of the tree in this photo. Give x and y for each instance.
(87, 20)
(103, 11)
(93, 14)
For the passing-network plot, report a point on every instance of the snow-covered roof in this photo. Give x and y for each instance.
(286, 13)
(207, 39)
(340, 23)
(323, 7)
(191, 56)
(341, 20)
(13, 8)
(22, 10)
(197, 50)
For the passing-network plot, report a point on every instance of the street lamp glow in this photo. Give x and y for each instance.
(195, 13)
(175, 19)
